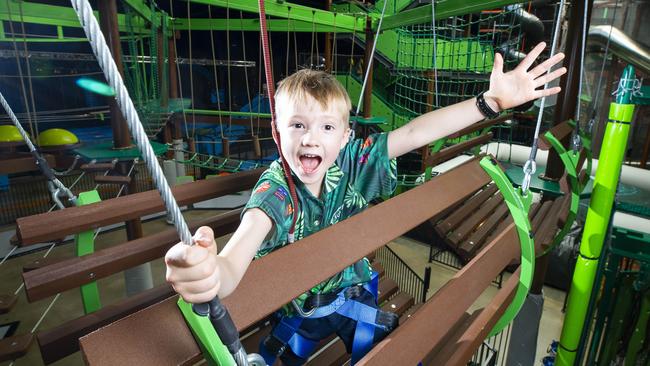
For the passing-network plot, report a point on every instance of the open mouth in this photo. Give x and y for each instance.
(310, 162)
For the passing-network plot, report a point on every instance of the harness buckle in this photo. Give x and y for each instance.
(274, 345)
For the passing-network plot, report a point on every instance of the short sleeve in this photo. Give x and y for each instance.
(372, 173)
(271, 195)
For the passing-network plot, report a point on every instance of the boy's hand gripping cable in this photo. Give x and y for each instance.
(218, 315)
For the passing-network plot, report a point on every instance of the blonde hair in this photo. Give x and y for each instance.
(321, 86)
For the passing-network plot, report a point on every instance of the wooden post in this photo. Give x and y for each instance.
(328, 43)
(164, 87)
(367, 94)
(565, 107)
(109, 27)
(173, 77)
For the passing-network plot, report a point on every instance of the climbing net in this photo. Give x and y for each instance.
(464, 54)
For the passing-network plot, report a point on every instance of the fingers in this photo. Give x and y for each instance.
(185, 256)
(546, 92)
(204, 237)
(532, 56)
(546, 65)
(497, 67)
(199, 291)
(549, 77)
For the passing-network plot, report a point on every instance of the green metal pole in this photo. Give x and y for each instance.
(598, 215)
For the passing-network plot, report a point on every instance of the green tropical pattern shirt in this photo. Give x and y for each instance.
(361, 173)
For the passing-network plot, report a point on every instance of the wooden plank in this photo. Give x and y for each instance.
(386, 288)
(7, 302)
(399, 303)
(454, 150)
(97, 167)
(561, 131)
(475, 219)
(137, 339)
(63, 340)
(410, 343)
(40, 263)
(459, 215)
(77, 271)
(480, 125)
(460, 352)
(453, 333)
(469, 247)
(548, 228)
(112, 179)
(15, 347)
(14, 163)
(58, 224)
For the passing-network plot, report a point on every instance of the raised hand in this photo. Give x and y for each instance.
(521, 85)
(193, 271)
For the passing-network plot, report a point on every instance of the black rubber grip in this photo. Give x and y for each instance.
(222, 323)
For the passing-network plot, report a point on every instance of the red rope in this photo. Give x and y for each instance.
(268, 71)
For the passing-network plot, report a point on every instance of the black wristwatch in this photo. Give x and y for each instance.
(485, 109)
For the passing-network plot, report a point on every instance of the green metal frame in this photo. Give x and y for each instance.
(598, 219)
(214, 351)
(253, 25)
(60, 16)
(519, 206)
(84, 245)
(570, 159)
(288, 10)
(444, 9)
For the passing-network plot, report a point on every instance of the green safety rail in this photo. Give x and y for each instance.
(571, 158)
(84, 245)
(518, 204)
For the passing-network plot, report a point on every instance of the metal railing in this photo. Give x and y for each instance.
(449, 259)
(405, 277)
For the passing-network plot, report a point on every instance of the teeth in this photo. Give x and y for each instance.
(310, 155)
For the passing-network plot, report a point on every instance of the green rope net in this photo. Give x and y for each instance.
(465, 47)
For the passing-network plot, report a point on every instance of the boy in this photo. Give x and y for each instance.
(335, 179)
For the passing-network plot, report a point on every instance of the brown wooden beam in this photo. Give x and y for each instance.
(454, 150)
(63, 340)
(480, 125)
(74, 272)
(22, 162)
(561, 131)
(142, 337)
(410, 343)
(470, 340)
(108, 24)
(58, 224)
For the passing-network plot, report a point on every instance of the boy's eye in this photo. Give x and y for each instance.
(297, 125)
(329, 127)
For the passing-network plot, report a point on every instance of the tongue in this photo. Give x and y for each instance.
(309, 164)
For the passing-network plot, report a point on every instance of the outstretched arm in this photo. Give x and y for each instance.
(506, 90)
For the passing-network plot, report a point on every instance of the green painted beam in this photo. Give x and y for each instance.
(142, 9)
(292, 11)
(42, 40)
(57, 16)
(273, 25)
(444, 9)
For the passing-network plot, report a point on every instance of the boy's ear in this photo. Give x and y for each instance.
(346, 137)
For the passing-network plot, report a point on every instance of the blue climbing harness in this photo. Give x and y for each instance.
(285, 334)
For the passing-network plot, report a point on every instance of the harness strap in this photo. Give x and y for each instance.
(367, 317)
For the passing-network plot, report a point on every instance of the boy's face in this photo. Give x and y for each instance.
(311, 138)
